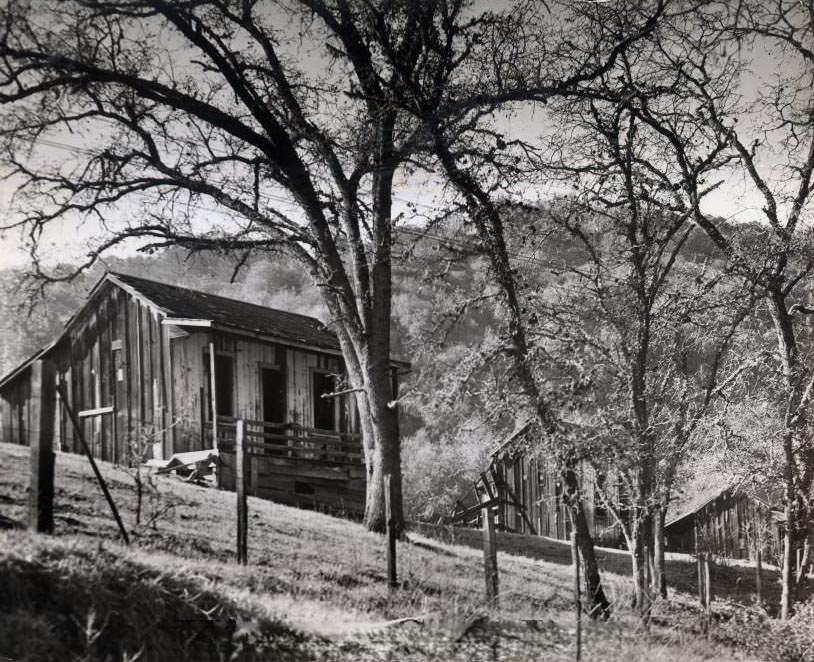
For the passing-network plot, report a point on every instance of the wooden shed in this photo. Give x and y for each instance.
(529, 488)
(728, 521)
(155, 367)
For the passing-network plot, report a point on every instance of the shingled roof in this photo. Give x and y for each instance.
(183, 303)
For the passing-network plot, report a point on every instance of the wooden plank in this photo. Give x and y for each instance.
(204, 428)
(148, 388)
(309, 455)
(155, 379)
(167, 391)
(114, 355)
(213, 398)
(103, 367)
(137, 369)
(68, 379)
(320, 446)
(43, 405)
(126, 430)
(99, 411)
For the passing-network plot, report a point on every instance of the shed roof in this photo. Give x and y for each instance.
(682, 509)
(182, 303)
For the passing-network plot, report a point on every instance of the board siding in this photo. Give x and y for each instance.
(155, 378)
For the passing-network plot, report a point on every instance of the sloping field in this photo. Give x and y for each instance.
(314, 588)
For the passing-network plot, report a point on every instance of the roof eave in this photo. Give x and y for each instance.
(10, 377)
(267, 337)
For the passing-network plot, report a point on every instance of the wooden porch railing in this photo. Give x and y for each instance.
(290, 440)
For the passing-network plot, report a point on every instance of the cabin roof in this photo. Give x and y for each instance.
(192, 306)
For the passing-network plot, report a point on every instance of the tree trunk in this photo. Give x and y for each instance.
(787, 567)
(805, 559)
(598, 605)
(659, 574)
(787, 348)
(639, 560)
(382, 452)
(489, 224)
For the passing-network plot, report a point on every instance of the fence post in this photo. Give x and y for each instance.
(489, 550)
(392, 578)
(759, 578)
(699, 562)
(577, 596)
(707, 584)
(41, 447)
(240, 491)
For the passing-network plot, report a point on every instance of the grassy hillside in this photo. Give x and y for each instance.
(314, 588)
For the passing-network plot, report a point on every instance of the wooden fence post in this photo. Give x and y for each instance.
(699, 562)
(240, 491)
(707, 584)
(392, 576)
(489, 550)
(759, 578)
(577, 596)
(41, 447)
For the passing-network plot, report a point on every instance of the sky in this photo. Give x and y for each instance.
(68, 241)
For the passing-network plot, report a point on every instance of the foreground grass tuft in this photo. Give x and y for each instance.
(73, 600)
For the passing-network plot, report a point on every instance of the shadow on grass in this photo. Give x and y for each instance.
(77, 600)
(731, 580)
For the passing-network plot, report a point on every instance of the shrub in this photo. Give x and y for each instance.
(438, 473)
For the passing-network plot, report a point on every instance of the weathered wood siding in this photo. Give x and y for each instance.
(298, 466)
(528, 483)
(732, 525)
(15, 410)
(136, 381)
(310, 482)
(110, 357)
(191, 392)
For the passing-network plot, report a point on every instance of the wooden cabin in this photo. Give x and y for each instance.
(530, 494)
(154, 370)
(728, 522)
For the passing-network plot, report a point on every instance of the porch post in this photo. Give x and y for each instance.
(213, 395)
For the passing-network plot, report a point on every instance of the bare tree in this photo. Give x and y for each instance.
(481, 162)
(641, 328)
(689, 87)
(235, 126)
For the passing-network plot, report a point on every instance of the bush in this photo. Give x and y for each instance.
(436, 474)
(771, 639)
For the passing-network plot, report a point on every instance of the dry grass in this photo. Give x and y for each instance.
(314, 588)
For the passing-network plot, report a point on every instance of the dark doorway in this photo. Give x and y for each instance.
(324, 408)
(274, 405)
(224, 384)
